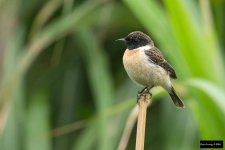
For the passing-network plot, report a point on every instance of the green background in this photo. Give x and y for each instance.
(63, 85)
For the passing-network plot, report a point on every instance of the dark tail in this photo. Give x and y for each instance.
(176, 100)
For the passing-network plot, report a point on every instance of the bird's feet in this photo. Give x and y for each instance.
(143, 92)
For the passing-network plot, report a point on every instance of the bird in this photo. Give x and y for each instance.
(146, 65)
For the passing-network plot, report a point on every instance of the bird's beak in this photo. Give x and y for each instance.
(121, 39)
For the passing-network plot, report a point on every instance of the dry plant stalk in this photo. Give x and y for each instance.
(143, 100)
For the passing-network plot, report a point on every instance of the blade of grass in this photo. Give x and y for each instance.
(209, 120)
(38, 122)
(204, 105)
(45, 13)
(193, 42)
(48, 35)
(190, 35)
(55, 30)
(101, 82)
(11, 137)
(10, 59)
(41, 41)
(211, 39)
(86, 139)
(217, 94)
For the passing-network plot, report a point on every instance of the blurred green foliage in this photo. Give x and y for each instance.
(63, 85)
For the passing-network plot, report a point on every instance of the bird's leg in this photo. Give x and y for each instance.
(149, 88)
(146, 88)
(144, 91)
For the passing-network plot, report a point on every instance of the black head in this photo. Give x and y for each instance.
(136, 39)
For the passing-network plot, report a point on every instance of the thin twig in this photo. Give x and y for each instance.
(143, 100)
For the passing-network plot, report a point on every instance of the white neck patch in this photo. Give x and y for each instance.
(146, 47)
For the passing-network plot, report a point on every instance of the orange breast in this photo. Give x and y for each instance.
(131, 52)
(132, 60)
(131, 57)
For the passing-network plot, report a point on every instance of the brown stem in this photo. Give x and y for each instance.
(143, 100)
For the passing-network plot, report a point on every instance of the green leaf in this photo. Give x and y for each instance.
(216, 93)
(207, 106)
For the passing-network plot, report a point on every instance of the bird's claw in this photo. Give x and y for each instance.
(143, 92)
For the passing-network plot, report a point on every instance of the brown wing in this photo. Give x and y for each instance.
(156, 57)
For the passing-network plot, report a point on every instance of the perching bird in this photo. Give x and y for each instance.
(146, 66)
